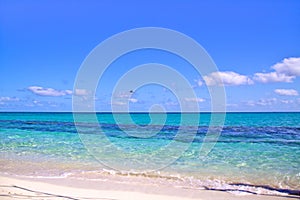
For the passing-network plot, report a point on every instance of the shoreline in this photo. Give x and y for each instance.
(71, 188)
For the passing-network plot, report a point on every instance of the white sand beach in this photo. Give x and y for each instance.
(75, 189)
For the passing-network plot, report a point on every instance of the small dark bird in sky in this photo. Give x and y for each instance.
(131, 91)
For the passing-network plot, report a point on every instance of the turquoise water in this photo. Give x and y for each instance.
(256, 152)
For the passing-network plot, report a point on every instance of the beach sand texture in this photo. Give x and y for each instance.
(48, 189)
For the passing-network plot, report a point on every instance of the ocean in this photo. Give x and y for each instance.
(255, 152)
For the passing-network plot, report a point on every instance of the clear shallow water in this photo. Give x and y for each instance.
(256, 152)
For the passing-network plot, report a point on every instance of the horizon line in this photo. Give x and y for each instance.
(144, 112)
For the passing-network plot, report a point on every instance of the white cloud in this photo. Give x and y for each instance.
(37, 103)
(250, 103)
(266, 102)
(289, 67)
(2, 99)
(227, 78)
(286, 101)
(122, 95)
(123, 101)
(118, 103)
(123, 98)
(69, 92)
(199, 83)
(194, 100)
(286, 92)
(232, 105)
(133, 100)
(171, 103)
(262, 102)
(273, 77)
(81, 92)
(285, 71)
(48, 91)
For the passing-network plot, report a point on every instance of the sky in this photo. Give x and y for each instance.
(254, 44)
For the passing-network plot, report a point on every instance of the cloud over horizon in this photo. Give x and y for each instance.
(194, 99)
(4, 100)
(228, 78)
(48, 91)
(285, 71)
(289, 66)
(286, 92)
(82, 92)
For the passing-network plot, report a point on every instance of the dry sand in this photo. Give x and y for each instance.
(75, 189)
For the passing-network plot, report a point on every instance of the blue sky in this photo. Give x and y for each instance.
(255, 45)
